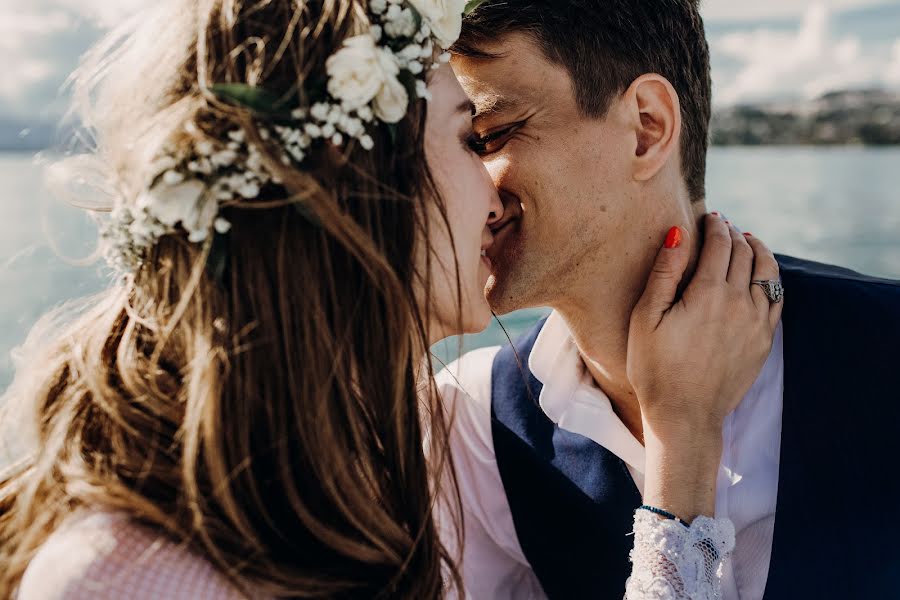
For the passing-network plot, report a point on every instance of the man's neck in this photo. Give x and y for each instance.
(602, 340)
(599, 323)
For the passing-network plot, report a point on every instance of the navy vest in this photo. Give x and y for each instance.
(837, 523)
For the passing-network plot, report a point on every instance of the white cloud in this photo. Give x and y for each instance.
(41, 42)
(804, 63)
(105, 13)
(735, 10)
(892, 72)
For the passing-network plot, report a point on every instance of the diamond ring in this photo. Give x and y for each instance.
(773, 289)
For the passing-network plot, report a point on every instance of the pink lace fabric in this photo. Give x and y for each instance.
(102, 556)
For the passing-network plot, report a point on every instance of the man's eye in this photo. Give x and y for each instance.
(487, 144)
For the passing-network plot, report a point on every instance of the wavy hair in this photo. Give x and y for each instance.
(271, 418)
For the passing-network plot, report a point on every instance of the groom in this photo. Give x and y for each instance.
(592, 118)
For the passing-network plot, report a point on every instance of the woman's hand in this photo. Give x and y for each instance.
(692, 359)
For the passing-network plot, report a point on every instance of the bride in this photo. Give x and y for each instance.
(248, 411)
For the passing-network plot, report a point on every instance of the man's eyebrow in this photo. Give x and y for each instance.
(494, 103)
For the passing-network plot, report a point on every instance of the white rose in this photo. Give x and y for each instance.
(392, 99)
(355, 72)
(173, 204)
(444, 17)
(200, 220)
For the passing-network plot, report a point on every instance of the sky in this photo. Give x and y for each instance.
(744, 10)
(762, 49)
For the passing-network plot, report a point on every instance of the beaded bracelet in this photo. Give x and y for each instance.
(663, 513)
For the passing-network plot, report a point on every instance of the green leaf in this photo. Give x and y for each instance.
(417, 16)
(304, 211)
(217, 261)
(408, 80)
(472, 5)
(393, 129)
(257, 99)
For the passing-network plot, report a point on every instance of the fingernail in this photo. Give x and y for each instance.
(715, 214)
(673, 240)
(748, 235)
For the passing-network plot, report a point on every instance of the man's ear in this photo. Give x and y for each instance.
(655, 116)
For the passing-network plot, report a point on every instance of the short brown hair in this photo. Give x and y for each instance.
(606, 45)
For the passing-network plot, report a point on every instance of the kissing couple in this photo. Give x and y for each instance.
(307, 195)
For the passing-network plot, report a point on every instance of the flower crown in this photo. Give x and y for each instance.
(371, 79)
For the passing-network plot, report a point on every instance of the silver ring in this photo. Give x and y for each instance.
(773, 288)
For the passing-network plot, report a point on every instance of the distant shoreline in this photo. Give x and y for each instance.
(859, 118)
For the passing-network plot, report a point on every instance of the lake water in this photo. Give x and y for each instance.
(837, 205)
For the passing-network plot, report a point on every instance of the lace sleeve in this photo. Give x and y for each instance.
(674, 562)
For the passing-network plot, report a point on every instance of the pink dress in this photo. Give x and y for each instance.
(104, 556)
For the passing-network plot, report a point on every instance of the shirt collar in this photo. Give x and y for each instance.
(572, 400)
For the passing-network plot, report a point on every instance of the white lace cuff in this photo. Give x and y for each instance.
(674, 562)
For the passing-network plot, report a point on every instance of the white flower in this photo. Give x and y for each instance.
(365, 113)
(173, 177)
(201, 166)
(255, 161)
(199, 221)
(249, 190)
(173, 204)
(422, 90)
(198, 235)
(392, 101)
(400, 22)
(409, 53)
(361, 72)
(356, 72)
(319, 111)
(222, 226)
(335, 115)
(312, 130)
(353, 127)
(224, 158)
(444, 17)
(164, 163)
(204, 148)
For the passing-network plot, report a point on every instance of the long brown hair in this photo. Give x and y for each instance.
(267, 415)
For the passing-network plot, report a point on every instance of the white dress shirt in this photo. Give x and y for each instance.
(494, 566)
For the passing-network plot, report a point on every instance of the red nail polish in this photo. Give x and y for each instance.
(748, 235)
(715, 214)
(673, 239)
